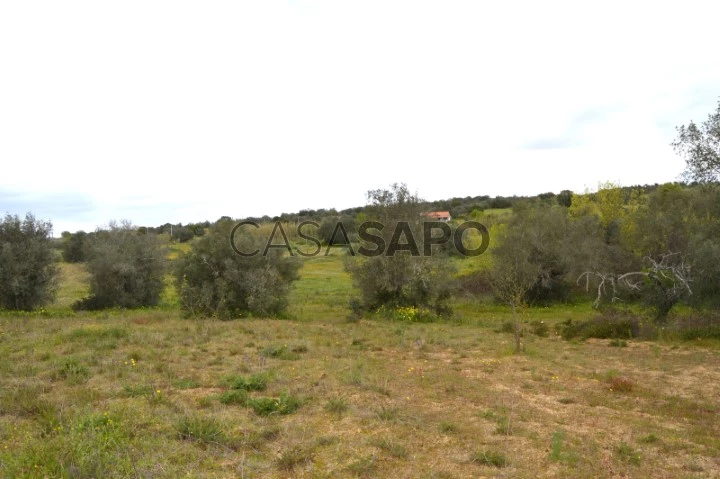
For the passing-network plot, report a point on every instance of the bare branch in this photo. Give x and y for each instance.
(670, 275)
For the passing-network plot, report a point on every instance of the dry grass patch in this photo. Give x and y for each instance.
(321, 397)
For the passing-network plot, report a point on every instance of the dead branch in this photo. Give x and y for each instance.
(673, 277)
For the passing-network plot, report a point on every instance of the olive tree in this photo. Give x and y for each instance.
(663, 283)
(674, 257)
(396, 274)
(27, 266)
(513, 272)
(126, 268)
(73, 246)
(214, 280)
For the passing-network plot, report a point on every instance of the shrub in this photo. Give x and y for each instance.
(329, 228)
(27, 268)
(476, 283)
(213, 280)
(506, 327)
(703, 326)
(402, 281)
(620, 384)
(126, 269)
(539, 328)
(609, 325)
(282, 352)
(256, 382)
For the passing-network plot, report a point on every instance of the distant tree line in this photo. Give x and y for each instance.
(178, 232)
(657, 246)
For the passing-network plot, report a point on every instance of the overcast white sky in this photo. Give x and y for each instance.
(180, 111)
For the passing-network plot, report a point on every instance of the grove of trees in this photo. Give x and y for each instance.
(651, 247)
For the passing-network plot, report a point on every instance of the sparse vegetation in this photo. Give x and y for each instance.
(234, 396)
(557, 445)
(489, 458)
(200, 429)
(609, 325)
(337, 406)
(294, 456)
(628, 454)
(254, 382)
(266, 406)
(284, 352)
(391, 447)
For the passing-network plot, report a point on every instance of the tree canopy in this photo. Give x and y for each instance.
(700, 146)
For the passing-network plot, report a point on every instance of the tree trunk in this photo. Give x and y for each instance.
(662, 311)
(516, 327)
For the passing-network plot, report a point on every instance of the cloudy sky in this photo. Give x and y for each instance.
(180, 111)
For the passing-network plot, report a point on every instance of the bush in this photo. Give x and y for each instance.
(402, 281)
(703, 326)
(620, 384)
(329, 228)
(27, 268)
(539, 328)
(609, 325)
(476, 283)
(126, 269)
(213, 280)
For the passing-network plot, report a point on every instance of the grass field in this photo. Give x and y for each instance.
(147, 394)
